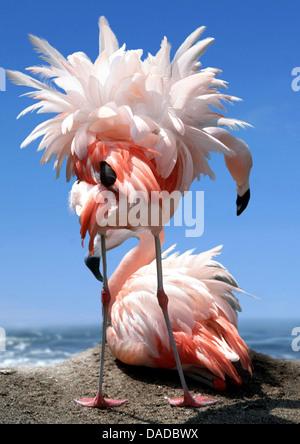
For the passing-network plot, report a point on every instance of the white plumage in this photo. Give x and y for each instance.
(157, 103)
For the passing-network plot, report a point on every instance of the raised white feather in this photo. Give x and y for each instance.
(157, 103)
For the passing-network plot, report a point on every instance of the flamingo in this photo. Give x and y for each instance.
(123, 170)
(145, 124)
(202, 309)
(211, 317)
(161, 104)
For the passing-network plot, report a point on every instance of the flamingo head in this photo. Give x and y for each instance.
(112, 172)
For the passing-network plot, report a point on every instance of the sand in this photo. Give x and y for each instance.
(44, 395)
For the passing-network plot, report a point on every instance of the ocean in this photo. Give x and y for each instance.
(52, 345)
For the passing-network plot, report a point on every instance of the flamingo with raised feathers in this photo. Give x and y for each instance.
(158, 103)
(154, 114)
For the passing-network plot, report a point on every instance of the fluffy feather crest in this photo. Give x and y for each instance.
(156, 103)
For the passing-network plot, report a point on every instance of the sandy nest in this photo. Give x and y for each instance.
(46, 395)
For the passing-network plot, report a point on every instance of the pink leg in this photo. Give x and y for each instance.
(99, 401)
(187, 399)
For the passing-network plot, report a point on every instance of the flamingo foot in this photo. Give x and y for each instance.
(100, 402)
(190, 401)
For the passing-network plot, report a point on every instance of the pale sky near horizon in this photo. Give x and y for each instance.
(43, 279)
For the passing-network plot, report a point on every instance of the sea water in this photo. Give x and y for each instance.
(46, 345)
(52, 345)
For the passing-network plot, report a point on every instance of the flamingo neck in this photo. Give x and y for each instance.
(141, 255)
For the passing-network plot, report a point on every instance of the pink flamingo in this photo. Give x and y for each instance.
(202, 311)
(132, 172)
(204, 335)
(153, 115)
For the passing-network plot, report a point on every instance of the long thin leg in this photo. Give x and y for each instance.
(99, 401)
(105, 298)
(188, 399)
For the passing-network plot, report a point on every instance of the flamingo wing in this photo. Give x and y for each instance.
(202, 310)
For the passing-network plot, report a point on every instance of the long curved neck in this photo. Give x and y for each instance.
(143, 254)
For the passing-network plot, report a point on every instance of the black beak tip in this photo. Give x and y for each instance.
(242, 202)
(93, 263)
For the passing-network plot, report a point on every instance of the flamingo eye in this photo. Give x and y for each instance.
(107, 174)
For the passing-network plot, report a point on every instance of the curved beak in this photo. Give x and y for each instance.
(242, 202)
(93, 263)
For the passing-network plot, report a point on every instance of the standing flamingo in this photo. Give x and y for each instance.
(202, 310)
(142, 123)
(208, 321)
(123, 170)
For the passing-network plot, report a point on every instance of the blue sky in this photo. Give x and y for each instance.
(43, 279)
